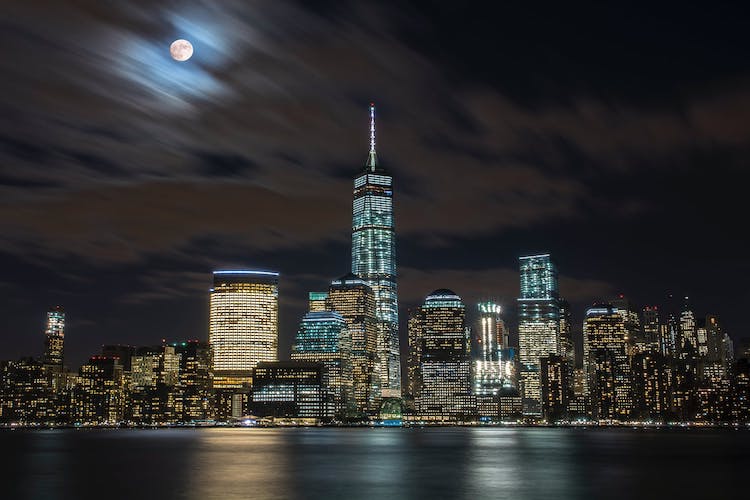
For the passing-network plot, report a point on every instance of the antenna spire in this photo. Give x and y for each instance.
(372, 127)
(372, 159)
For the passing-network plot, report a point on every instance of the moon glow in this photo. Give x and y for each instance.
(181, 50)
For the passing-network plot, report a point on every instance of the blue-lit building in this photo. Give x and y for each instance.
(538, 324)
(374, 257)
(323, 337)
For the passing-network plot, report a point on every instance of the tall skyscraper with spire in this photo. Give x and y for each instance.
(374, 258)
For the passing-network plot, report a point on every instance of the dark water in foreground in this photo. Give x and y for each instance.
(468, 463)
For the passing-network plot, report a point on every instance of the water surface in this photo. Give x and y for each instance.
(391, 464)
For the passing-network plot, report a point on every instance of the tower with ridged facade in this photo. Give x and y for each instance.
(374, 257)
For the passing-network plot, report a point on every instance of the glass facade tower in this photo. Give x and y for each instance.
(54, 337)
(243, 324)
(538, 324)
(324, 337)
(374, 257)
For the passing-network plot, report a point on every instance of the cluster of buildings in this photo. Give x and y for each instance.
(650, 365)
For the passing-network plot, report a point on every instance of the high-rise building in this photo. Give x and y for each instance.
(243, 324)
(632, 321)
(374, 256)
(652, 329)
(607, 363)
(316, 301)
(54, 338)
(98, 398)
(440, 362)
(556, 375)
(194, 381)
(687, 328)
(26, 393)
(323, 337)
(652, 383)
(538, 324)
(714, 340)
(351, 297)
(154, 395)
(489, 333)
(567, 345)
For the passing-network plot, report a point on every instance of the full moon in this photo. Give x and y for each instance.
(181, 50)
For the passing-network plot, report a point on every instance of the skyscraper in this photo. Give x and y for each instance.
(439, 358)
(354, 300)
(556, 386)
(324, 337)
(606, 361)
(374, 256)
(488, 335)
(243, 324)
(538, 324)
(689, 344)
(652, 339)
(632, 321)
(54, 338)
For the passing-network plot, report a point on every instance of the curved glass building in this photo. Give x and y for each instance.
(243, 327)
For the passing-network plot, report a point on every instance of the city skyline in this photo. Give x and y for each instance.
(118, 203)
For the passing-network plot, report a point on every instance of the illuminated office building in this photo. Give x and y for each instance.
(652, 385)
(701, 337)
(154, 395)
(489, 333)
(323, 337)
(316, 301)
(351, 297)
(26, 392)
(291, 389)
(439, 359)
(556, 375)
(194, 381)
(606, 362)
(652, 329)
(538, 324)
(688, 346)
(243, 325)
(567, 346)
(632, 322)
(54, 338)
(374, 257)
(99, 398)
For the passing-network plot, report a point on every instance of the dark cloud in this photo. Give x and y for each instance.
(587, 132)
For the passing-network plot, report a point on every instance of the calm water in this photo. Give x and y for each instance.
(391, 464)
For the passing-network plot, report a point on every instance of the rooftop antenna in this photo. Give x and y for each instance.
(372, 159)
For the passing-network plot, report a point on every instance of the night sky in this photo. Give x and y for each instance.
(613, 136)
